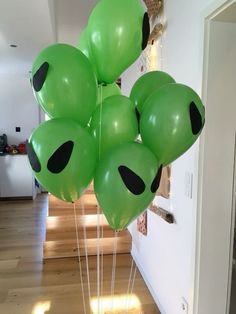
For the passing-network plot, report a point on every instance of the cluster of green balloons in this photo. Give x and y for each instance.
(93, 130)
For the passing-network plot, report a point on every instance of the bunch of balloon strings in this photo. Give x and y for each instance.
(100, 256)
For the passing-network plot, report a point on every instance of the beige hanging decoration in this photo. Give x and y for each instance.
(148, 59)
(154, 9)
(153, 6)
(156, 33)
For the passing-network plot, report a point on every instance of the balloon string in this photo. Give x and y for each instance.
(98, 260)
(86, 250)
(113, 275)
(132, 285)
(129, 284)
(101, 226)
(133, 281)
(79, 258)
(102, 251)
(100, 124)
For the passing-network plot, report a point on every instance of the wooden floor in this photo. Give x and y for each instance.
(30, 286)
(61, 238)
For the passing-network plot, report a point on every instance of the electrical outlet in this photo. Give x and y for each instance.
(184, 306)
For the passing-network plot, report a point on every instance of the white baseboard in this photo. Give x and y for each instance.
(135, 257)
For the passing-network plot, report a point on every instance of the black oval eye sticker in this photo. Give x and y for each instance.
(156, 181)
(33, 158)
(138, 116)
(146, 30)
(40, 76)
(60, 158)
(131, 180)
(195, 118)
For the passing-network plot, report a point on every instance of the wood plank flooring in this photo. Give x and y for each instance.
(29, 285)
(61, 239)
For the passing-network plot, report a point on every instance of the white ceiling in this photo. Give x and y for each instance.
(71, 18)
(35, 24)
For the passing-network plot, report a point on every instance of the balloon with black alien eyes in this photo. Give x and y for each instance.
(125, 183)
(117, 32)
(172, 120)
(64, 83)
(63, 157)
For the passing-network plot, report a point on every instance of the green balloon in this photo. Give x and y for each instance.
(146, 85)
(108, 90)
(125, 183)
(114, 122)
(85, 49)
(63, 158)
(117, 32)
(171, 122)
(83, 43)
(64, 83)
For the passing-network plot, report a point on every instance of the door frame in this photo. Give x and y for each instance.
(208, 15)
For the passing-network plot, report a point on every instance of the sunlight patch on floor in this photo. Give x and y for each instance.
(41, 307)
(116, 304)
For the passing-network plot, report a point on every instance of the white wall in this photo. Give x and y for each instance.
(167, 255)
(17, 107)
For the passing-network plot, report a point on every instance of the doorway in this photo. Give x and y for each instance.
(216, 178)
